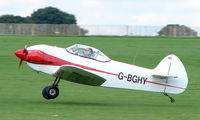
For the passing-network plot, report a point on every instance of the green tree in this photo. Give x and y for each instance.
(13, 19)
(51, 15)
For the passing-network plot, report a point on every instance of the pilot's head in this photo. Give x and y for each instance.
(88, 52)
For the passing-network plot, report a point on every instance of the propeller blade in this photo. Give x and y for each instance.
(25, 52)
(26, 44)
(20, 63)
(25, 49)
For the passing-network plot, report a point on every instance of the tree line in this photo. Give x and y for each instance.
(48, 15)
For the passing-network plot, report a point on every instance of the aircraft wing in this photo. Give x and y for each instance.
(80, 75)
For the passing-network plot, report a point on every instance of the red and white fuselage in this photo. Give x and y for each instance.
(168, 77)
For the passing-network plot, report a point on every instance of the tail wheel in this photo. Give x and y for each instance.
(50, 92)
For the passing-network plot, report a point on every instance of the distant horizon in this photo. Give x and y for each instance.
(109, 30)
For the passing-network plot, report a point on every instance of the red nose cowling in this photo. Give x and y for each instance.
(20, 54)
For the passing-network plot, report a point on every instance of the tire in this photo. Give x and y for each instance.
(50, 92)
(45, 93)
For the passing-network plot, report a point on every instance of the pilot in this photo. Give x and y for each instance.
(88, 52)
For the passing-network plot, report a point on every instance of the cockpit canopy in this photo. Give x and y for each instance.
(88, 52)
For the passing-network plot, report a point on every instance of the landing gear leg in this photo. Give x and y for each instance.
(171, 99)
(51, 92)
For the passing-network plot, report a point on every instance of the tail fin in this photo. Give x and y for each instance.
(172, 70)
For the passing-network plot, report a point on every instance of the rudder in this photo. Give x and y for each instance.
(173, 71)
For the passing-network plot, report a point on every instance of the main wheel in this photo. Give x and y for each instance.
(50, 92)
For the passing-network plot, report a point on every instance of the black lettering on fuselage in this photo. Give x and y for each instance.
(132, 78)
(120, 76)
(145, 79)
(139, 79)
(129, 77)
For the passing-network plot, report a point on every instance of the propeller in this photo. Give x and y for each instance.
(25, 52)
(20, 63)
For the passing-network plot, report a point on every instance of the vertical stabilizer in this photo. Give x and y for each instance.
(172, 70)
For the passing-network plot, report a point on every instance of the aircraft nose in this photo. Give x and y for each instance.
(20, 54)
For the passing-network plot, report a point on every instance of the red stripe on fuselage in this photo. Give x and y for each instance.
(164, 84)
(39, 57)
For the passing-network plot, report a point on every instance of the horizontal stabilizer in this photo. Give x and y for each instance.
(164, 76)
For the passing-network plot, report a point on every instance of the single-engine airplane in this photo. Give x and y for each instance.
(88, 65)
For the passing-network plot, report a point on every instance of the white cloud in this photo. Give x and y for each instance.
(114, 12)
(140, 19)
(164, 12)
(192, 4)
(19, 7)
(94, 4)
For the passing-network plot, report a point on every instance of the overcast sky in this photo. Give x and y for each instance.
(114, 12)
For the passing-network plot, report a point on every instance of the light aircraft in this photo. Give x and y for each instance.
(87, 65)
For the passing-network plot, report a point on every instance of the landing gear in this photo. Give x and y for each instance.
(171, 99)
(51, 92)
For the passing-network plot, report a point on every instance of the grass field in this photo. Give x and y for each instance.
(20, 91)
